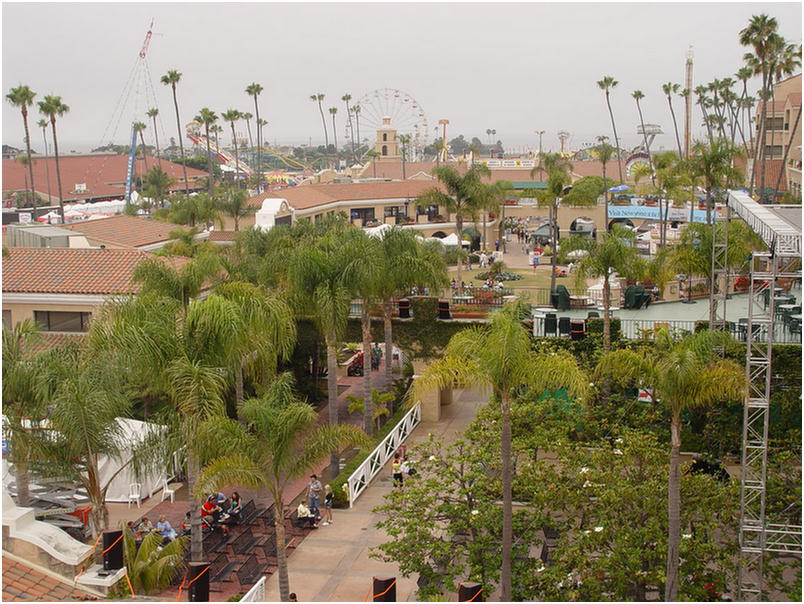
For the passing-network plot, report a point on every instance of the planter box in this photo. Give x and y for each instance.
(467, 314)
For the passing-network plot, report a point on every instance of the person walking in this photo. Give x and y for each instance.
(314, 496)
(328, 497)
(396, 469)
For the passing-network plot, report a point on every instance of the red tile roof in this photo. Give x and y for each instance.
(22, 583)
(393, 169)
(74, 271)
(309, 196)
(222, 235)
(128, 231)
(104, 175)
(795, 100)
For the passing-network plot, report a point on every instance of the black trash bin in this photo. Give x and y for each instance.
(404, 308)
(577, 330)
(443, 309)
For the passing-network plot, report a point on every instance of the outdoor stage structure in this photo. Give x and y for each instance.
(782, 262)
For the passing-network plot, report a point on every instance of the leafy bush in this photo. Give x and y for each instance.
(547, 251)
(424, 309)
(502, 276)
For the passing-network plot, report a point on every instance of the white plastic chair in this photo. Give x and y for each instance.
(135, 493)
(166, 491)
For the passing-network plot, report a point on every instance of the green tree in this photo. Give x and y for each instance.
(557, 170)
(346, 98)
(372, 154)
(51, 107)
(172, 78)
(318, 98)
(501, 359)
(283, 442)
(606, 85)
(638, 95)
(43, 125)
(333, 111)
(138, 127)
(196, 209)
(254, 90)
(23, 97)
(150, 566)
(231, 116)
(604, 153)
(464, 197)
(682, 374)
(183, 285)
(404, 140)
(207, 118)
(376, 409)
(713, 164)
(152, 113)
(156, 185)
(234, 203)
(669, 90)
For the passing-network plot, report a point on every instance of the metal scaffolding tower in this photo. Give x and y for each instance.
(783, 261)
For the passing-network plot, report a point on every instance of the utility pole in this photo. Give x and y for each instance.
(540, 133)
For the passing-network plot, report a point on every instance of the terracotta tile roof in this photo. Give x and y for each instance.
(73, 271)
(22, 583)
(222, 235)
(795, 100)
(393, 169)
(104, 175)
(129, 231)
(310, 196)
(53, 339)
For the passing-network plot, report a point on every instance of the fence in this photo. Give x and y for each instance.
(374, 463)
(256, 593)
(643, 329)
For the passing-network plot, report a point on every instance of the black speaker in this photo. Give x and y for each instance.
(470, 592)
(404, 308)
(198, 580)
(384, 589)
(112, 550)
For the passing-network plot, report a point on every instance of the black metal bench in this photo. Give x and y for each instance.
(250, 513)
(250, 571)
(244, 542)
(212, 540)
(268, 517)
(221, 568)
(269, 546)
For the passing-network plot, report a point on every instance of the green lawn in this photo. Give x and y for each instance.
(539, 278)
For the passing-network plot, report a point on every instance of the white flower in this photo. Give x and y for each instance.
(618, 440)
(686, 536)
(587, 484)
(598, 529)
(587, 532)
(432, 458)
(540, 569)
(584, 470)
(475, 512)
(617, 452)
(591, 384)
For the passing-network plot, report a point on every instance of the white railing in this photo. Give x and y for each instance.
(256, 593)
(374, 463)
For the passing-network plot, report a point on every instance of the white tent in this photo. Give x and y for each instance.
(377, 231)
(134, 431)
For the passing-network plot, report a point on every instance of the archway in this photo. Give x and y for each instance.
(622, 221)
(439, 234)
(474, 238)
(583, 226)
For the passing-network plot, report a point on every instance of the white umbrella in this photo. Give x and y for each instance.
(577, 254)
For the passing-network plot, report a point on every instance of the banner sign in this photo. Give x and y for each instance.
(652, 213)
(510, 163)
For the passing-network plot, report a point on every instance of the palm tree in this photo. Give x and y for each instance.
(557, 170)
(232, 116)
(172, 78)
(283, 441)
(356, 109)
(138, 127)
(152, 113)
(43, 125)
(669, 89)
(373, 154)
(702, 101)
(606, 85)
(464, 197)
(23, 97)
(614, 252)
(744, 74)
(684, 374)
(156, 184)
(150, 566)
(207, 117)
(248, 117)
(346, 98)
(51, 107)
(181, 285)
(236, 205)
(216, 130)
(713, 164)
(333, 111)
(638, 95)
(500, 358)
(318, 98)
(254, 90)
(604, 153)
(404, 139)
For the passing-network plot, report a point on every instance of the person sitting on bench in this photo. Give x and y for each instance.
(304, 514)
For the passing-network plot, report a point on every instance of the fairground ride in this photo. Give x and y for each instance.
(406, 113)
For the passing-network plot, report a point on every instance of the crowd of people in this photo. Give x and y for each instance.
(311, 512)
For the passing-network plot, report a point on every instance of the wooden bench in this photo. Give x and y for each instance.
(250, 513)
(221, 568)
(250, 571)
(244, 542)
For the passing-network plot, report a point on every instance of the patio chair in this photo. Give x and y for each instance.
(167, 491)
(135, 493)
(550, 324)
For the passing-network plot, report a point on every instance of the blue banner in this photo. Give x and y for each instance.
(652, 213)
(130, 171)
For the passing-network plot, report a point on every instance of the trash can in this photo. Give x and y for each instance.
(443, 309)
(577, 330)
(404, 308)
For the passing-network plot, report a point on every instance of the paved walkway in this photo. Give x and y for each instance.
(333, 563)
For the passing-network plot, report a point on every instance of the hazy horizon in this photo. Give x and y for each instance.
(515, 67)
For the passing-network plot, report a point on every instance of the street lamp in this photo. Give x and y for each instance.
(540, 133)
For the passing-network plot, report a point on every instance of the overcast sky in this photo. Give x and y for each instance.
(516, 67)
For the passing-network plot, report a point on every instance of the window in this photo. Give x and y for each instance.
(384, 136)
(7, 319)
(365, 214)
(391, 211)
(385, 149)
(772, 151)
(62, 321)
(774, 123)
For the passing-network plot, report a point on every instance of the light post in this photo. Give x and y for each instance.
(540, 133)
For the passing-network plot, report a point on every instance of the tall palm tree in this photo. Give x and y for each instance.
(51, 107)
(207, 118)
(346, 98)
(248, 117)
(557, 170)
(172, 78)
(499, 357)
(404, 139)
(236, 205)
(356, 109)
(23, 97)
(373, 154)
(333, 111)
(138, 127)
(318, 98)
(216, 130)
(669, 90)
(282, 441)
(231, 116)
(638, 95)
(604, 153)
(684, 374)
(606, 85)
(43, 125)
(152, 113)
(254, 90)
(464, 197)
(744, 74)
(713, 165)
(156, 184)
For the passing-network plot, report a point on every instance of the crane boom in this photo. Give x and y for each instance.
(147, 41)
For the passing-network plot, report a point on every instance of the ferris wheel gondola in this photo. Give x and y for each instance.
(406, 113)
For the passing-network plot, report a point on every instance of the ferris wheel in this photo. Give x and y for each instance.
(406, 113)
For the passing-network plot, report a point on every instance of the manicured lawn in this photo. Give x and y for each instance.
(539, 278)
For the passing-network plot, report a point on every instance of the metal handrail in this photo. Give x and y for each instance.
(375, 462)
(256, 593)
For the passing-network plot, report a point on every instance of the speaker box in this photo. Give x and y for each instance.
(384, 589)
(113, 554)
(199, 588)
(470, 592)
